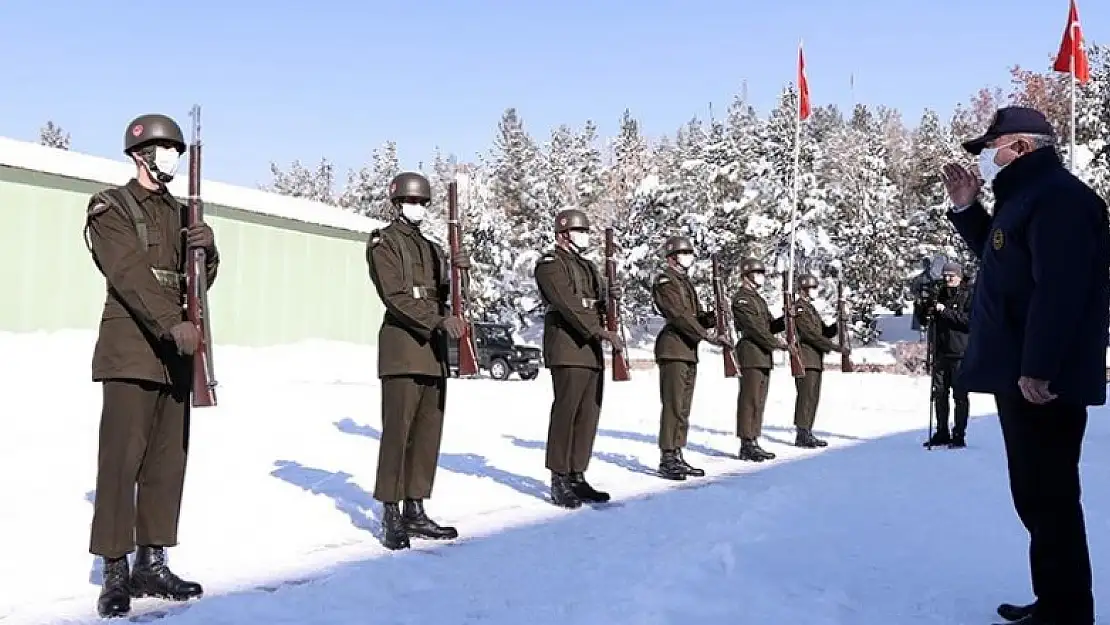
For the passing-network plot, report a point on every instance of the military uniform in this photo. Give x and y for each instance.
(813, 343)
(757, 328)
(676, 355)
(573, 290)
(410, 274)
(135, 237)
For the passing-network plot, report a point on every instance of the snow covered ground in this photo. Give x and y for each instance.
(872, 530)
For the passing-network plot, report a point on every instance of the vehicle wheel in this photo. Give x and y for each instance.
(499, 369)
(529, 375)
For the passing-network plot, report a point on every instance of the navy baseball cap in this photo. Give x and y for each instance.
(1008, 121)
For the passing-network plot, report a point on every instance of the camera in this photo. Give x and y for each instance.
(928, 294)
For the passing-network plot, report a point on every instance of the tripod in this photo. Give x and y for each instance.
(930, 363)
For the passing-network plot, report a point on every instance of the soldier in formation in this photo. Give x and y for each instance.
(572, 288)
(143, 359)
(676, 353)
(813, 343)
(757, 329)
(410, 273)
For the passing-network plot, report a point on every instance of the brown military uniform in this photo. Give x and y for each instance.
(137, 243)
(813, 344)
(572, 288)
(410, 275)
(676, 353)
(756, 328)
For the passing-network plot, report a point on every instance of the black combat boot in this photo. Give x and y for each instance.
(763, 452)
(152, 578)
(584, 491)
(1011, 612)
(690, 470)
(957, 441)
(748, 451)
(670, 468)
(115, 594)
(394, 533)
(938, 439)
(562, 494)
(419, 525)
(805, 438)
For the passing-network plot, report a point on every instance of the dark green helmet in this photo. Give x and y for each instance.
(678, 245)
(571, 219)
(153, 128)
(752, 265)
(807, 281)
(410, 185)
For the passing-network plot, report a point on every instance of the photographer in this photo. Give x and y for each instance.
(944, 308)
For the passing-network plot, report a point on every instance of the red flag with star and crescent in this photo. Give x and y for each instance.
(803, 86)
(1072, 58)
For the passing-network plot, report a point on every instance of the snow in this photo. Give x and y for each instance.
(872, 530)
(31, 156)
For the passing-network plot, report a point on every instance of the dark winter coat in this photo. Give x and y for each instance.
(951, 325)
(1041, 306)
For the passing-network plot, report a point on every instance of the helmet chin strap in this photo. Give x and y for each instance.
(147, 159)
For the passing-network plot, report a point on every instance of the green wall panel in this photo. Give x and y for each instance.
(280, 281)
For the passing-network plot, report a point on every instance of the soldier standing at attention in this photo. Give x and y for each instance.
(676, 353)
(411, 276)
(757, 331)
(572, 288)
(813, 343)
(143, 361)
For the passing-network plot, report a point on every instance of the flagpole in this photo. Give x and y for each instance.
(1071, 139)
(797, 170)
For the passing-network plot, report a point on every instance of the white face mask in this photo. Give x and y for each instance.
(759, 279)
(811, 294)
(580, 240)
(988, 169)
(413, 212)
(166, 161)
(685, 260)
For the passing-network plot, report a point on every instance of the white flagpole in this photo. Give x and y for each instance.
(1071, 149)
(797, 170)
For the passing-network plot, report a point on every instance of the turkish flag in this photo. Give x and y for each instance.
(1072, 58)
(803, 86)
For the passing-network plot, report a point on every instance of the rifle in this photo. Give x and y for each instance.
(797, 368)
(196, 282)
(612, 310)
(842, 329)
(723, 329)
(468, 359)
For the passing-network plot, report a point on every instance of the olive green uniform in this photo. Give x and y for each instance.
(411, 278)
(756, 328)
(813, 343)
(676, 353)
(573, 291)
(135, 238)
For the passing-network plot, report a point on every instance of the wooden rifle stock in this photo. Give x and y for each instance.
(797, 368)
(196, 283)
(612, 310)
(722, 326)
(468, 358)
(842, 329)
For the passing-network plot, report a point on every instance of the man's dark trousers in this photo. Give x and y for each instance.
(944, 380)
(1043, 445)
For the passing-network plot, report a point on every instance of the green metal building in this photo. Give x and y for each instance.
(290, 269)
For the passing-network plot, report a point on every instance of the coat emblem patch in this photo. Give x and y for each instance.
(997, 239)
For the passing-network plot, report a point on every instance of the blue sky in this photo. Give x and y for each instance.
(340, 78)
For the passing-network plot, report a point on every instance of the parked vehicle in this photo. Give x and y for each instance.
(498, 354)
